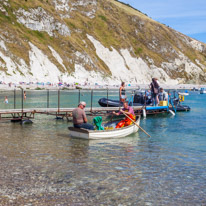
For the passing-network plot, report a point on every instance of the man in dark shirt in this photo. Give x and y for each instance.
(79, 117)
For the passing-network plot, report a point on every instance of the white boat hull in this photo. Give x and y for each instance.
(183, 93)
(104, 134)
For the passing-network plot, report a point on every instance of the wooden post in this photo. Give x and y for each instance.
(14, 98)
(58, 100)
(14, 101)
(79, 96)
(107, 96)
(22, 101)
(47, 98)
(91, 98)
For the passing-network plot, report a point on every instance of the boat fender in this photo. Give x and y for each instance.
(144, 113)
(171, 112)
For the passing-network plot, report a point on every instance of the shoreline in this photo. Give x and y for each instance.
(35, 87)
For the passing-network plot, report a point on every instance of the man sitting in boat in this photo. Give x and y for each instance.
(129, 112)
(162, 95)
(79, 117)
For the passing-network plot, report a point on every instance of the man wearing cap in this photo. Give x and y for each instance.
(79, 117)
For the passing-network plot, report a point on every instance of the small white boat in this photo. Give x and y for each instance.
(112, 132)
(183, 93)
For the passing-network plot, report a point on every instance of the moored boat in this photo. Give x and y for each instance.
(202, 90)
(110, 131)
(104, 102)
(179, 107)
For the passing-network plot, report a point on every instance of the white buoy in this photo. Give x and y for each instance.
(171, 112)
(144, 113)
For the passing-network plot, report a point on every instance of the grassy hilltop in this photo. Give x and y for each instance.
(113, 23)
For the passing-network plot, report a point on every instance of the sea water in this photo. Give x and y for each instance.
(42, 165)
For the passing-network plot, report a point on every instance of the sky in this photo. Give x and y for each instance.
(185, 16)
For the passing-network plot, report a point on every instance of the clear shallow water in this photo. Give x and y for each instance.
(42, 165)
(42, 99)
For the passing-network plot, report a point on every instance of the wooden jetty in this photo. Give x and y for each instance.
(23, 114)
(29, 113)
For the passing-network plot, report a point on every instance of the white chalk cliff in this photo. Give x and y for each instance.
(96, 41)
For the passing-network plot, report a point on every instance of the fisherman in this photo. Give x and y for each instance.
(162, 95)
(79, 117)
(129, 112)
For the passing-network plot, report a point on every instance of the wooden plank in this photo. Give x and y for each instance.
(69, 110)
(39, 110)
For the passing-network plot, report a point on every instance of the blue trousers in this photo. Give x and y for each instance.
(85, 126)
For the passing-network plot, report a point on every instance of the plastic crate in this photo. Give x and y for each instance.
(163, 103)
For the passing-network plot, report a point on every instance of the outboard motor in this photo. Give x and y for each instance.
(139, 98)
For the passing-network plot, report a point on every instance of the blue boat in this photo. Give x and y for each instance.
(140, 100)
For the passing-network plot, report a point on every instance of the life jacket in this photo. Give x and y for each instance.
(126, 122)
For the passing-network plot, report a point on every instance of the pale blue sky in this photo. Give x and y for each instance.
(185, 16)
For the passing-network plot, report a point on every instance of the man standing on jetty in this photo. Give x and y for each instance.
(79, 117)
